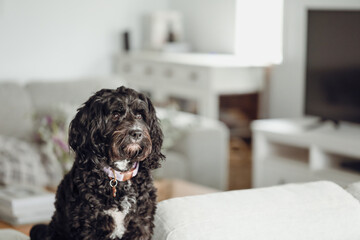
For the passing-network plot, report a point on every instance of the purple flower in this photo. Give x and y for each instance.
(63, 145)
(49, 120)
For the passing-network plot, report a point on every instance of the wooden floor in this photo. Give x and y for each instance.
(239, 164)
(237, 112)
(23, 228)
(171, 188)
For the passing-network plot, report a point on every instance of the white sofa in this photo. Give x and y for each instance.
(311, 211)
(199, 156)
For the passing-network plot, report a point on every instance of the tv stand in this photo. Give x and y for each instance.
(285, 150)
(319, 122)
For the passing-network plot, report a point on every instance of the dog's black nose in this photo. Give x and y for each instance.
(136, 134)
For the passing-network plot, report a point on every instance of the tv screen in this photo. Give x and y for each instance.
(333, 65)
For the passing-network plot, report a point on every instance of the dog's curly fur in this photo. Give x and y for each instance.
(99, 134)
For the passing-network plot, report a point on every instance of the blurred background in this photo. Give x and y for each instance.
(279, 77)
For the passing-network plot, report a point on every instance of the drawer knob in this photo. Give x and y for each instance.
(126, 68)
(148, 71)
(194, 76)
(169, 73)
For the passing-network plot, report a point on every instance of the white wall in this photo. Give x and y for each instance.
(42, 39)
(287, 80)
(259, 30)
(209, 24)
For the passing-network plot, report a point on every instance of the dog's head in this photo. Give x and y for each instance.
(117, 128)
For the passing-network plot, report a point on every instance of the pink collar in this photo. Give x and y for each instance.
(122, 176)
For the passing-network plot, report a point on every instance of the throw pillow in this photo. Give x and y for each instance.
(51, 134)
(20, 163)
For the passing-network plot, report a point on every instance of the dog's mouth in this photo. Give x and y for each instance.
(123, 157)
(125, 150)
(132, 150)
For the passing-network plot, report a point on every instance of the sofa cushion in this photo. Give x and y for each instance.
(205, 144)
(175, 166)
(15, 111)
(354, 189)
(10, 234)
(319, 210)
(47, 94)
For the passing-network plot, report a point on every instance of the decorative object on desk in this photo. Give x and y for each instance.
(171, 37)
(126, 41)
(52, 134)
(20, 163)
(165, 32)
(23, 204)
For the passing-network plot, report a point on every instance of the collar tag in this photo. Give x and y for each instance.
(122, 176)
(116, 176)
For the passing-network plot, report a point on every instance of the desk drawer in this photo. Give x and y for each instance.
(138, 69)
(193, 76)
(125, 67)
(185, 76)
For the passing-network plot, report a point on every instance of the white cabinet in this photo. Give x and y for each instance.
(287, 151)
(197, 78)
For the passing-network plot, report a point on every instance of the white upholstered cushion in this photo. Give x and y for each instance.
(354, 189)
(10, 234)
(46, 94)
(15, 111)
(175, 166)
(319, 210)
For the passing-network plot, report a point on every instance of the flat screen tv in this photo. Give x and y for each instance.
(333, 65)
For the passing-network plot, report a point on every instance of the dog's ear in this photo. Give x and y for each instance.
(76, 128)
(156, 134)
(86, 131)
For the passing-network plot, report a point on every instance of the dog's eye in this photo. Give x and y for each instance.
(138, 116)
(115, 115)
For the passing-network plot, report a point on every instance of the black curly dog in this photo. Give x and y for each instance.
(114, 134)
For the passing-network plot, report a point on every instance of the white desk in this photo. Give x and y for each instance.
(201, 78)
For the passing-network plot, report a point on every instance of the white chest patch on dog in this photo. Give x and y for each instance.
(122, 165)
(119, 216)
